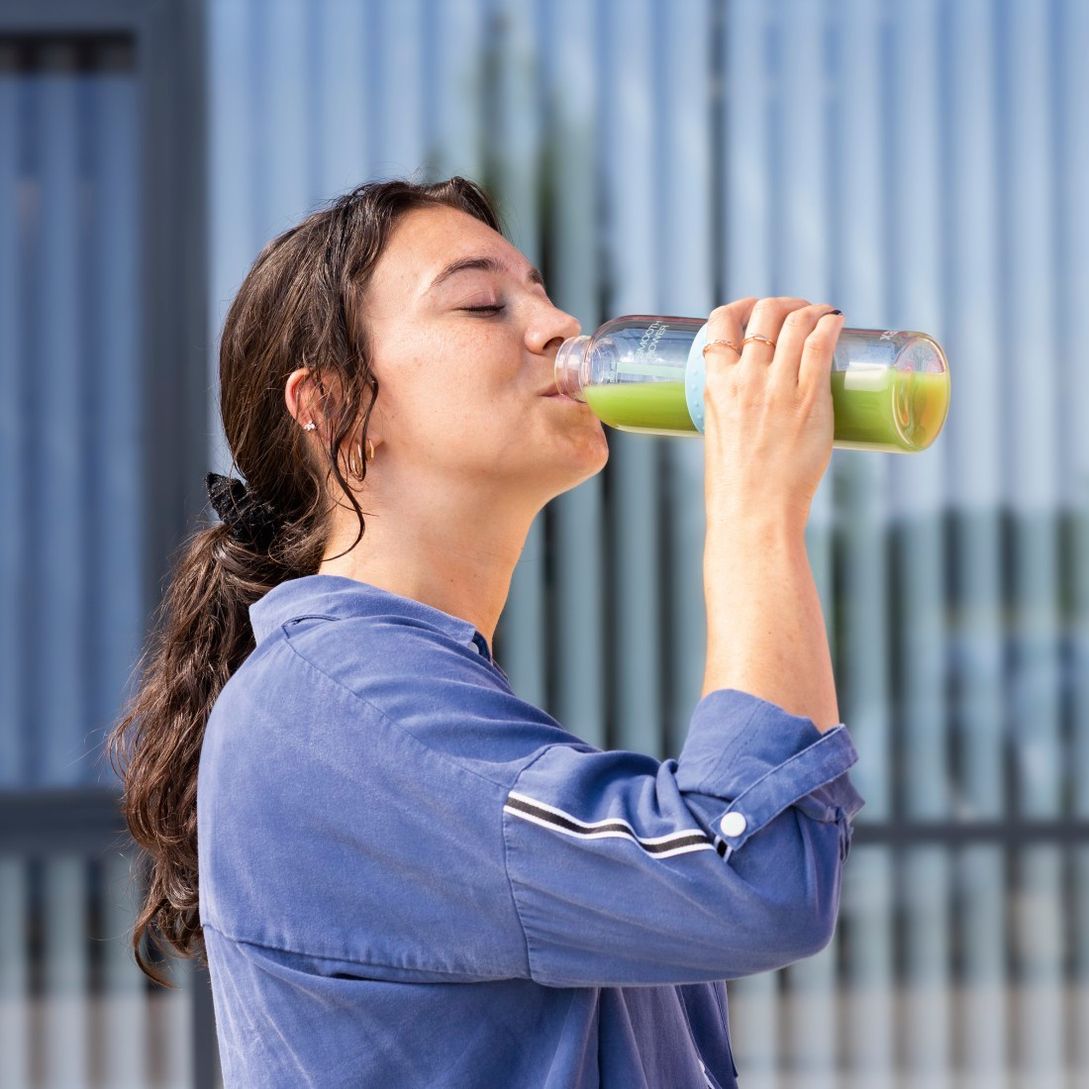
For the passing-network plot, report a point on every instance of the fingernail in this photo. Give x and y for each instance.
(837, 311)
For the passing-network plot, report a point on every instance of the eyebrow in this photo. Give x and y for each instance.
(488, 264)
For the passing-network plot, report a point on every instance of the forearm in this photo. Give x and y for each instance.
(765, 628)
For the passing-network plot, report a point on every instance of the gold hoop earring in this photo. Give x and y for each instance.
(356, 467)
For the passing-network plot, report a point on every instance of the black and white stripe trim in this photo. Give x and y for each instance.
(548, 816)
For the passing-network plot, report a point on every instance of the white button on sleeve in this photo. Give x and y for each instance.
(733, 824)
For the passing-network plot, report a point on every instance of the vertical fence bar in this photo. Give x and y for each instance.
(455, 142)
(124, 1020)
(189, 1051)
(747, 270)
(573, 228)
(402, 151)
(57, 659)
(1035, 730)
(340, 121)
(917, 484)
(115, 394)
(234, 229)
(13, 540)
(65, 1004)
(975, 449)
(860, 281)
(802, 265)
(688, 249)
(514, 153)
(633, 550)
(280, 112)
(15, 996)
(1072, 288)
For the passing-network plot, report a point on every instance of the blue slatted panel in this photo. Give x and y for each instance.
(901, 161)
(72, 438)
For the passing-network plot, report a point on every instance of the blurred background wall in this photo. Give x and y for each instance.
(920, 165)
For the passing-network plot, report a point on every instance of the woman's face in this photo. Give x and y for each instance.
(463, 356)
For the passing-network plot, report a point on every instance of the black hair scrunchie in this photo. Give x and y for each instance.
(250, 521)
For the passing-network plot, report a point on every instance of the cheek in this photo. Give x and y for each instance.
(451, 393)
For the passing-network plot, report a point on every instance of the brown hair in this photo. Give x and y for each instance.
(300, 305)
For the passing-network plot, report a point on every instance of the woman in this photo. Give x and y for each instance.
(408, 876)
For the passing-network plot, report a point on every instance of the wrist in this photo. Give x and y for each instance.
(771, 525)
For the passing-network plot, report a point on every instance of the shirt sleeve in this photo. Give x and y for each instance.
(721, 863)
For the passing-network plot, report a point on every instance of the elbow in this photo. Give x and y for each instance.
(806, 932)
(798, 894)
(817, 916)
(787, 932)
(808, 925)
(822, 927)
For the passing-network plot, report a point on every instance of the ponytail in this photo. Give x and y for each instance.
(300, 305)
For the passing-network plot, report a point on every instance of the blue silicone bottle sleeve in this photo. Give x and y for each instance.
(694, 375)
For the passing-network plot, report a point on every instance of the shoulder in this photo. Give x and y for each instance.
(342, 680)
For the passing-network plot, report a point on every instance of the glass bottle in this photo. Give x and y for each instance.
(645, 373)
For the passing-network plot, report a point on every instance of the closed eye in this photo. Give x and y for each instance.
(483, 309)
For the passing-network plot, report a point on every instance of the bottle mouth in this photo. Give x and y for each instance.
(570, 366)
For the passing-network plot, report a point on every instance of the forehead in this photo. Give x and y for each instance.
(425, 240)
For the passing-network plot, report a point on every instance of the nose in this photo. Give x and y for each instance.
(549, 328)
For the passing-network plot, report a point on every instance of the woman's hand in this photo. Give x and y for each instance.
(768, 412)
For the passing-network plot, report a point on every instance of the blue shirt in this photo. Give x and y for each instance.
(410, 877)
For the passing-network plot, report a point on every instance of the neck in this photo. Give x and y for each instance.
(449, 546)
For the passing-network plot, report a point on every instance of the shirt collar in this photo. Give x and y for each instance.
(339, 596)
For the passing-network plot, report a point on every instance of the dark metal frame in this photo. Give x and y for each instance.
(168, 45)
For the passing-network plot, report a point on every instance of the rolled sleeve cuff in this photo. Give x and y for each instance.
(759, 758)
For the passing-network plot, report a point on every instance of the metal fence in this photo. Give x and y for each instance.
(919, 165)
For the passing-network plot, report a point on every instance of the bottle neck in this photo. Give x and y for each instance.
(572, 366)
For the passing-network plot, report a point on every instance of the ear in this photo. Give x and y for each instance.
(303, 394)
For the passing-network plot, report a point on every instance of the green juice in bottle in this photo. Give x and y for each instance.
(645, 374)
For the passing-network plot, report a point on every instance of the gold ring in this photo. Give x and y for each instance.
(728, 343)
(759, 336)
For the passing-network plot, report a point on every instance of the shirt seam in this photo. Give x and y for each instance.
(444, 757)
(506, 860)
(339, 957)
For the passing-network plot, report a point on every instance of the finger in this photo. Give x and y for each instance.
(767, 319)
(727, 323)
(818, 355)
(796, 327)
